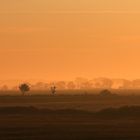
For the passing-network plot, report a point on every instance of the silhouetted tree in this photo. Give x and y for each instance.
(102, 83)
(4, 88)
(136, 84)
(105, 92)
(80, 82)
(24, 88)
(61, 85)
(53, 90)
(71, 85)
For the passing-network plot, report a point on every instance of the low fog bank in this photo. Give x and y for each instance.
(77, 84)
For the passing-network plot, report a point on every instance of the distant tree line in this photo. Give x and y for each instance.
(81, 83)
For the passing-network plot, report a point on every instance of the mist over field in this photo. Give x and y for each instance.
(45, 45)
(77, 84)
(73, 110)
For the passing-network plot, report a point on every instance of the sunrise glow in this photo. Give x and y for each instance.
(54, 40)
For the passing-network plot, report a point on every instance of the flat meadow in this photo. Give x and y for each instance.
(70, 115)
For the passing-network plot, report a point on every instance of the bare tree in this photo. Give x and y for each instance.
(53, 90)
(24, 88)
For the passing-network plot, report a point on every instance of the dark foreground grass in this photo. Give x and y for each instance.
(80, 102)
(30, 123)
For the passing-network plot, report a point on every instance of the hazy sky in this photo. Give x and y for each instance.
(63, 39)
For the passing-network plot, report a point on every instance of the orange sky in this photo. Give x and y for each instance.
(63, 39)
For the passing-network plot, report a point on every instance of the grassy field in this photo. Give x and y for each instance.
(69, 117)
(82, 102)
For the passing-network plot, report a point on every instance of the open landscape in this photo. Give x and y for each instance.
(69, 70)
(71, 117)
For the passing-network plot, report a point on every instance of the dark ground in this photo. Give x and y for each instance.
(64, 119)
